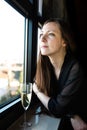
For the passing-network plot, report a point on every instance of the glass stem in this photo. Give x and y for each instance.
(25, 119)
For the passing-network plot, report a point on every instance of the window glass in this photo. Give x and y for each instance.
(40, 3)
(39, 31)
(11, 52)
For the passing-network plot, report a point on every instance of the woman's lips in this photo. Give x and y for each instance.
(44, 46)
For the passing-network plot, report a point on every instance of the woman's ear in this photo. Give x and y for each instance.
(64, 43)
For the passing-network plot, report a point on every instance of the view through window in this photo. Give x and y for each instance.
(11, 52)
(38, 41)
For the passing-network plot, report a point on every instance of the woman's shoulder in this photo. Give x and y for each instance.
(72, 65)
(71, 60)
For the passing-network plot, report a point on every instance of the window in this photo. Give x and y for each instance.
(11, 53)
(18, 49)
(38, 40)
(40, 3)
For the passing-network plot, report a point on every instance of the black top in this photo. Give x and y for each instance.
(68, 93)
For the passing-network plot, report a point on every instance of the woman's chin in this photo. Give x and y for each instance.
(44, 53)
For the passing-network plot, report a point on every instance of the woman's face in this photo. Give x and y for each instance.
(51, 41)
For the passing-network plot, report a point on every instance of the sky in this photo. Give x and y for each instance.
(11, 34)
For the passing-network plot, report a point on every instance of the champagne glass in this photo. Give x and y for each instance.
(26, 94)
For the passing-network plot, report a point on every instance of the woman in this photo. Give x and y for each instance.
(58, 75)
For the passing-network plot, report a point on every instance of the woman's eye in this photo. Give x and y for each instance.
(46, 35)
(51, 34)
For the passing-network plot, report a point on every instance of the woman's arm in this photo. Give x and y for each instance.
(42, 97)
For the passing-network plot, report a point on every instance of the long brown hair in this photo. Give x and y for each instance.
(43, 74)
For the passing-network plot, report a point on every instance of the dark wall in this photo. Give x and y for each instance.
(77, 12)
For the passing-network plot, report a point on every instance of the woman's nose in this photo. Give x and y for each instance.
(43, 37)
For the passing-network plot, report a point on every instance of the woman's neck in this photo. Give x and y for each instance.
(57, 62)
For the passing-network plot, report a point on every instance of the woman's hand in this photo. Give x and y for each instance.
(35, 88)
(78, 123)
